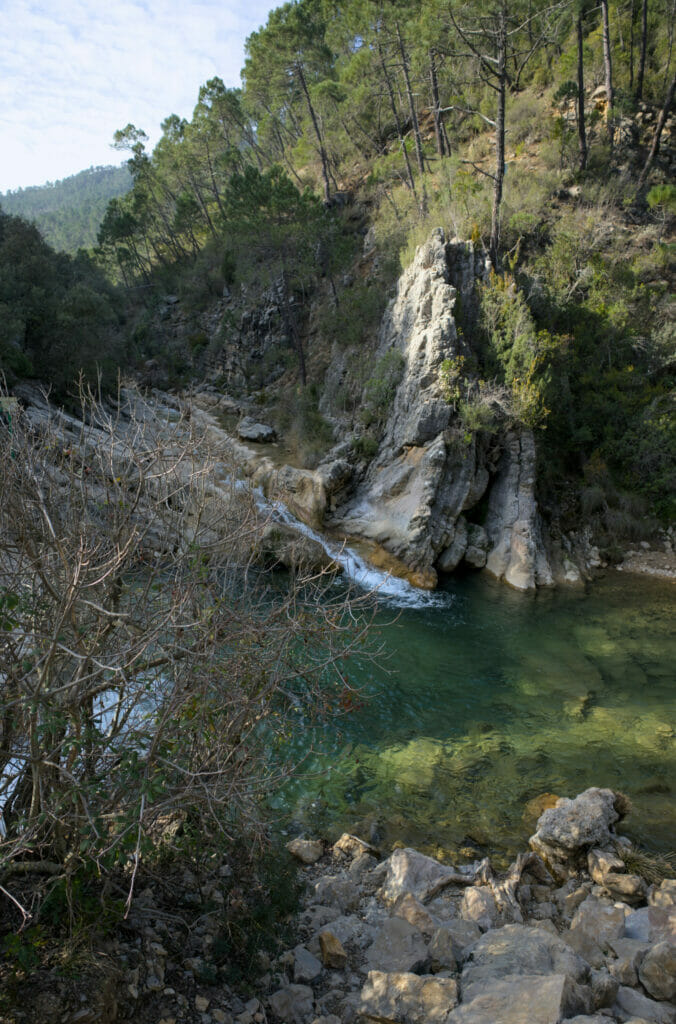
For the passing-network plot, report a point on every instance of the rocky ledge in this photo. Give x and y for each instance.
(572, 932)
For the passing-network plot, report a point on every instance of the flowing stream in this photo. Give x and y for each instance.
(489, 698)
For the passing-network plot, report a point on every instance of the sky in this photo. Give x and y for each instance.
(74, 71)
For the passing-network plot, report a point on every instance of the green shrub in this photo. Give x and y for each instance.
(381, 387)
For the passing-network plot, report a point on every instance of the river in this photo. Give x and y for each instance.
(487, 699)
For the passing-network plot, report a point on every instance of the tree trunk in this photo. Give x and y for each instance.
(644, 47)
(395, 114)
(320, 141)
(441, 148)
(608, 65)
(655, 147)
(411, 104)
(499, 175)
(581, 133)
(632, 42)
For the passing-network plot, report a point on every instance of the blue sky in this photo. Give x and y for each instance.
(73, 71)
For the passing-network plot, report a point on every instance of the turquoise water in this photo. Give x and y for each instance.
(491, 698)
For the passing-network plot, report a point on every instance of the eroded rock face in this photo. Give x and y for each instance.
(513, 525)
(422, 479)
(429, 472)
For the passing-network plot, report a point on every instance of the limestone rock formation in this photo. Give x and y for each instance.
(428, 472)
(513, 524)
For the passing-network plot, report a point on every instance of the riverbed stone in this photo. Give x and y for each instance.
(405, 998)
(352, 846)
(260, 433)
(519, 949)
(601, 862)
(651, 924)
(664, 895)
(308, 851)
(412, 910)
(630, 1003)
(601, 922)
(337, 891)
(293, 1004)
(399, 947)
(413, 872)
(306, 967)
(443, 951)
(478, 905)
(658, 971)
(349, 929)
(524, 999)
(332, 951)
(630, 888)
(574, 825)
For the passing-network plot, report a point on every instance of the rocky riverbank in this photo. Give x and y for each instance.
(581, 928)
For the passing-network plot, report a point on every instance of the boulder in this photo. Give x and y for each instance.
(332, 950)
(349, 930)
(413, 872)
(664, 895)
(566, 831)
(461, 935)
(601, 862)
(443, 951)
(337, 891)
(651, 924)
(260, 433)
(630, 1003)
(478, 905)
(308, 851)
(398, 946)
(478, 546)
(525, 999)
(658, 971)
(519, 949)
(451, 557)
(306, 967)
(402, 998)
(293, 1004)
(412, 910)
(351, 846)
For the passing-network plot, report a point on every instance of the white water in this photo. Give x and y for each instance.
(394, 591)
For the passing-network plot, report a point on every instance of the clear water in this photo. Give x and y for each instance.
(488, 699)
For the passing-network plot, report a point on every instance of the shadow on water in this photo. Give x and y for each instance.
(493, 698)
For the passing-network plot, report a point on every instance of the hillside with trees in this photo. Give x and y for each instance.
(544, 132)
(158, 678)
(69, 212)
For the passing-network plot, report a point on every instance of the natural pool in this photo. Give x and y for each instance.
(489, 698)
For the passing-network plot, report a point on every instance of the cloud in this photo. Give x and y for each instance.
(74, 71)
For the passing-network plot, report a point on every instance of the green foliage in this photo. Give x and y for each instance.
(59, 313)
(381, 387)
(69, 212)
(263, 895)
(365, 446)
(664, 197)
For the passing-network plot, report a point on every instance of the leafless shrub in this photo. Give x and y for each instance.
(147, 669)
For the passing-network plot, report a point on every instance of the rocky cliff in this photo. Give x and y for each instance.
(422, 496)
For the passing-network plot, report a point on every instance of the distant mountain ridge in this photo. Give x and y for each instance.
(69, 212)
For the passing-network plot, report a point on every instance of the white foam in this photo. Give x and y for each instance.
(396, 592)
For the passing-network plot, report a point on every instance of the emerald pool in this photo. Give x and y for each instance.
(485, 700)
